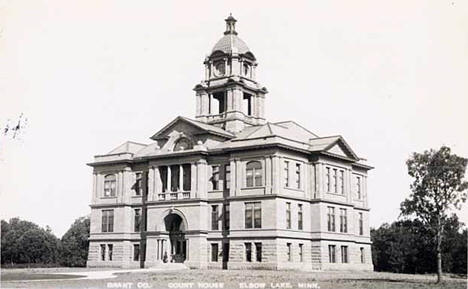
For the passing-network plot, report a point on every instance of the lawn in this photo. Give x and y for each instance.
(230, 279)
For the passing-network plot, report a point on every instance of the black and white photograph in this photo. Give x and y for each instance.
(233, 144)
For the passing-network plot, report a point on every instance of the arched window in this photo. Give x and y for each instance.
(254, 174)
(183, 144)
(247, 70)
(109, 185)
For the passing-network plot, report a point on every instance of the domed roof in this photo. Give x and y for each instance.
(231, 43)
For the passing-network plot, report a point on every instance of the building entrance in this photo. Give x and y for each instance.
(178, 243)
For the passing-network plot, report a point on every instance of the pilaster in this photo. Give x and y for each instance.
(238, 177)
(202, 179)
(268, 175)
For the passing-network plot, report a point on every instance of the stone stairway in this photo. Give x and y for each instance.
(170, 266)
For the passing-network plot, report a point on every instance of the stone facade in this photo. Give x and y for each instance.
(230, 189)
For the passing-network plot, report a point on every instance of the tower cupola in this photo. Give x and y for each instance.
(229, 96)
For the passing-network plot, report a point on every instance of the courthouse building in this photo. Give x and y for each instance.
(229, 189)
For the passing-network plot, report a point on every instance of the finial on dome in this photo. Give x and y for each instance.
(230, 25)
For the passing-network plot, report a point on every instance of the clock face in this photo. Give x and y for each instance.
(220, 69)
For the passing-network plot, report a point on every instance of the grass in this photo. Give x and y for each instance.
(36, 276)
(231, 279)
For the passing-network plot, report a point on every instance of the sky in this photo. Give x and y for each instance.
(389, 76)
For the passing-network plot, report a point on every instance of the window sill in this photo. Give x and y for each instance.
(136, 196)
(336, 194)
(293, 189)
(109, 197)
(252, 188)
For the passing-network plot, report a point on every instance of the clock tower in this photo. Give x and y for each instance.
(230, 96)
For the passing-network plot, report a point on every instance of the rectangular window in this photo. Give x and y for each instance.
(288, 245)
(175, 178)
(214, 252)
(138, 184)
(361, 224)
(163, 177)
(299, 217)
(286, 174)
(136, 252)
(257, 215)
(227, 217)
(137, 220)
(248, 252)
(298, 176)
(363, 260)
(227, 177)
(335, 181)
(187, 177)
(344, 254)
(327, 179)
(358, 187)
(107, 221)
(301, 252)
(331, 219)
(343, 221)
(214, 217)
(253, 215)
(258, 252)
(342, 191)
(215, 178)
(109, 185)
(288, 215)
(103, 252)
(331, 253)
(110, 249)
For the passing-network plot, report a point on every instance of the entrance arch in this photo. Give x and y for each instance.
(175, 225)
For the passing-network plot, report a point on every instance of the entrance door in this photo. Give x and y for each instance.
(178, 247)
(225, 255)
(175, 227)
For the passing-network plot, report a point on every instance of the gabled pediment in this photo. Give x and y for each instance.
(338, 149)
(191, 127)
(128, 147)
(334, 145)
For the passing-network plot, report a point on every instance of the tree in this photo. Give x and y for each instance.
(24, 242)
(74, 249)
(438, 186)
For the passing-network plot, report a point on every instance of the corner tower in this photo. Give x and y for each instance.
(230, 96)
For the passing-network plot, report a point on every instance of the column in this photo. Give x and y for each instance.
(207, 71)
(151, 193)
(169, 185)
(158, 257)
(198, 110)
(181, 178)
(229, 100)
(204, 103)
(157, 182)
(193, 176)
